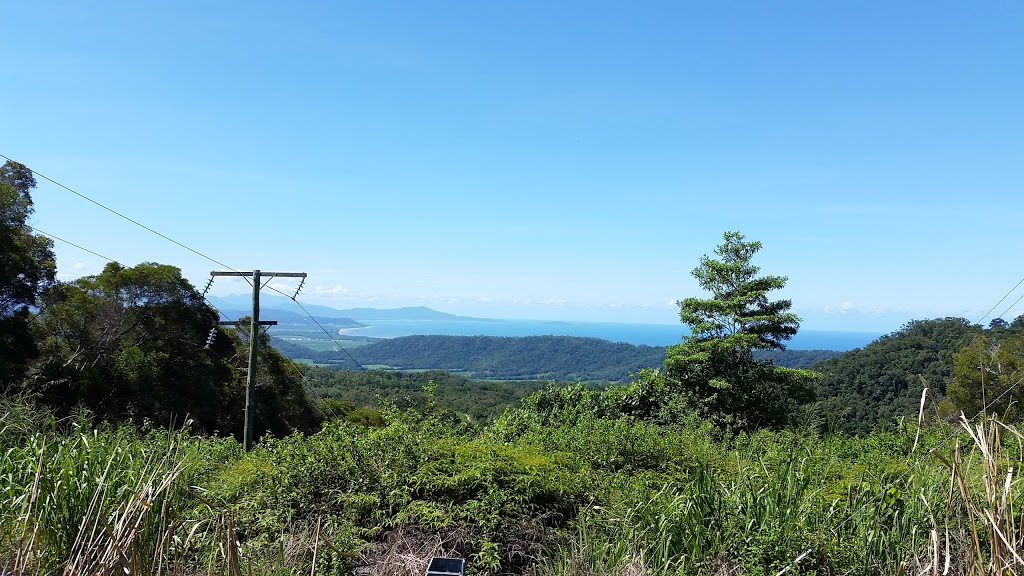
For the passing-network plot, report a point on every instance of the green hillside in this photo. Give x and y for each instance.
(510, 358)
(522, 358)
(871, 388)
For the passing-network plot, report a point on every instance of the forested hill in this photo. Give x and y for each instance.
(514, 358)
(869, 388)
(518, 358)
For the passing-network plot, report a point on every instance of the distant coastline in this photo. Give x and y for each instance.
(638, 334)
(423, 321)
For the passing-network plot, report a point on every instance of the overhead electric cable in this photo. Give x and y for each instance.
(1005, 296)
(304, 380)
(194, 251)
(108, 259)
(325, 331)
(68, 242)
(115, 212)
(942, 443)
(172, 240)
(1010, 307)
(329, 335)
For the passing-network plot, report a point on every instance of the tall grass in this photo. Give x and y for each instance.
(956, 513)
(93, 503)
(756, 517)
(103, 501)
(602, 497)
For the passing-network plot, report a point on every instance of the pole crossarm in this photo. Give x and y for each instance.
(262, 274)
(237, 323)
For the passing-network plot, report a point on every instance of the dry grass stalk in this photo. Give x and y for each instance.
(316, 547)
(996, 540)
(920, 412)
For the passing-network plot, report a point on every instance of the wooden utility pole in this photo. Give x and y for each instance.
(254, 326)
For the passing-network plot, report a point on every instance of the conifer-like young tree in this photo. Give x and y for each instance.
(715, 365)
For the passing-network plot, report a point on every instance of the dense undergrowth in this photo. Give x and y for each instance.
(553, 487)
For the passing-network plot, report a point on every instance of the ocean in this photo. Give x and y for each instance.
(645, 334)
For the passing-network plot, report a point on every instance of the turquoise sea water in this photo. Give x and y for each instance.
(648, 334)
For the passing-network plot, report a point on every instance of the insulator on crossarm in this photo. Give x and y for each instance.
(208, 285)
(299, 289)
(211, 337)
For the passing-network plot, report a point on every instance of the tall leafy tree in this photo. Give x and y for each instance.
(715, 365)
(129, 343)
(27, 268)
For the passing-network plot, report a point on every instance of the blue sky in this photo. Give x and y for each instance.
(534, 160)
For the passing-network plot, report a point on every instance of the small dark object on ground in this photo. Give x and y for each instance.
(446, 567)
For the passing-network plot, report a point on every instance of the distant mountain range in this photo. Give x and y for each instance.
(237, 302)
(365, 322)
(286, 317)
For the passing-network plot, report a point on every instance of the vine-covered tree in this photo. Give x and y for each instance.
(986, 375)
(715, 365)
(26, 269)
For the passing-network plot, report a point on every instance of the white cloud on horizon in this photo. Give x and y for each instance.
(336, 290)
(848, 307)
(287, 288)
(530, 301)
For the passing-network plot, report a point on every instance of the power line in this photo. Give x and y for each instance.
(220, 314)
(325, 331)
(331, 336)
(1005, 296)
(303, 378)
(219, 263)
(108, 259)
(1008, 308)
(940, 444)
(918, 462)
(115, 212)
(68, 242)
(190, 249)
